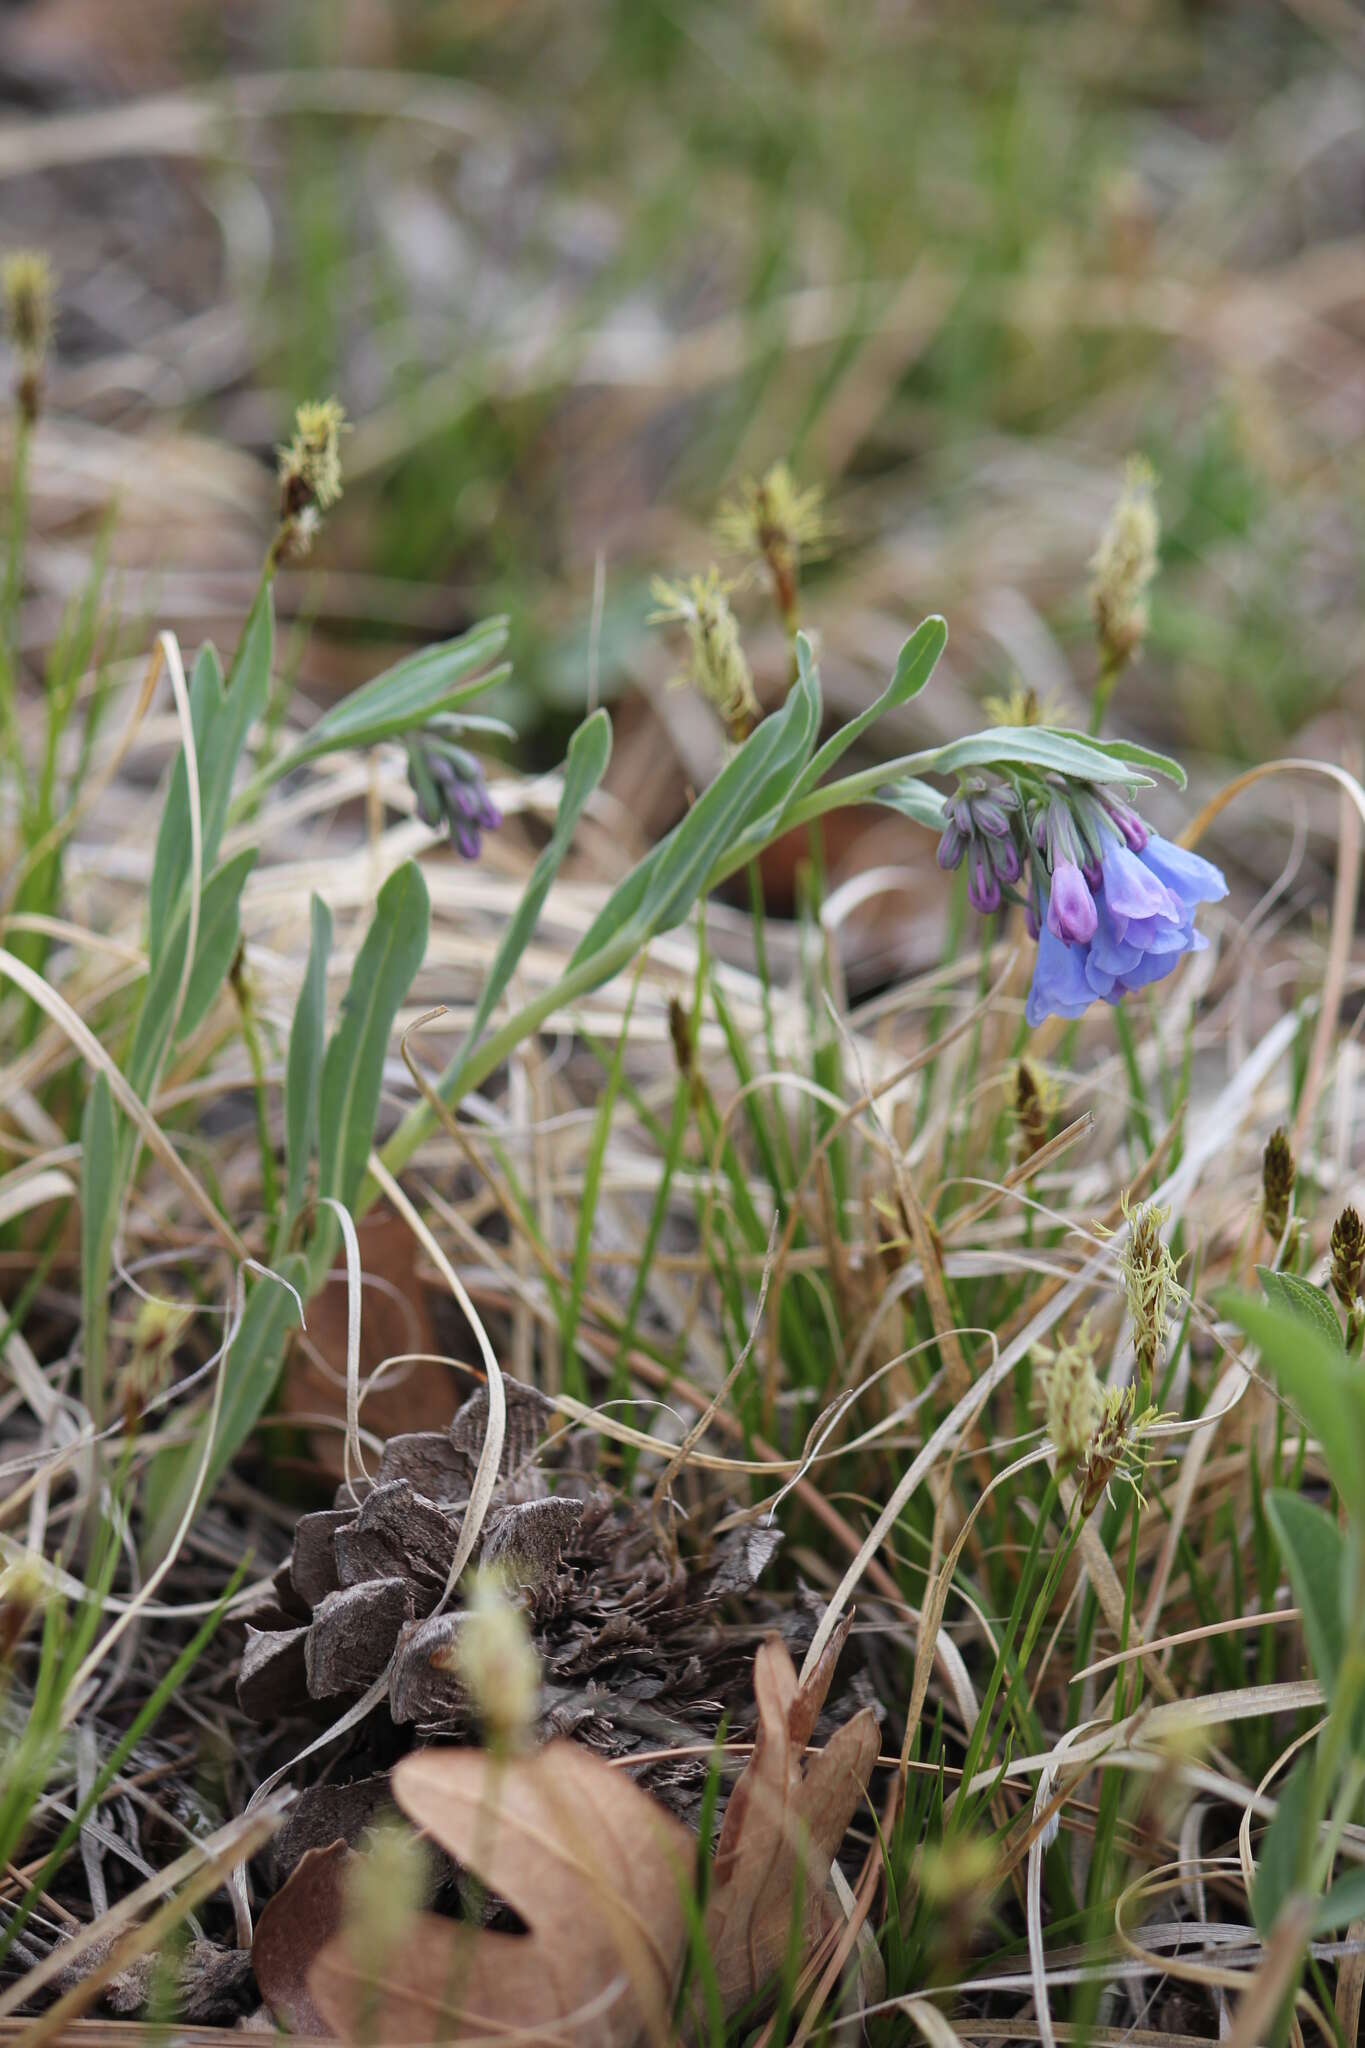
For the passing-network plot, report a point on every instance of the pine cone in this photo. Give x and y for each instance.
(616, 1625)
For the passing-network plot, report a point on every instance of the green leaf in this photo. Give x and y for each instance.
(1026, 746)
(1321, 1383)
(1314, 1552)
(916, 800)
(220, 930)
(354, 1065)
(915, 664)
(1137, 757)
(1283, 1847)
(1344, 1903)
(303, 1072)
(171, 864)
(739, 810)
(99, 1219)
(404, 697)
(1306, 1300)
(216, 942)
(221, 717)
(252, 1368)
(584, 766)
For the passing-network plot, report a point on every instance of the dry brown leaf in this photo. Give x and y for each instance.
(786, 1818)
(596, 1869)
(304, 1915)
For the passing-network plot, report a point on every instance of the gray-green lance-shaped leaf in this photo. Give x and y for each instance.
(915, 664)
(100, 1192)
(303, 1070)
(404, 697)
(221, 716)
(1062, 753)
(215, 945)
(914, 799)
(353, 1068)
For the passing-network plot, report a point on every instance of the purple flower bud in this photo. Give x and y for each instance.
(951, 847)
(1127, 820)
(1071, 913)
(1094, 874)
(990, 816)
(466, 839)
(983, 890)
(1005, 857)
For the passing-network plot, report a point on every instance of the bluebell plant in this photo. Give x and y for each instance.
(1111, 903)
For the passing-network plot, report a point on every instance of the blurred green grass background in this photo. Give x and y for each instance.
(575, 270)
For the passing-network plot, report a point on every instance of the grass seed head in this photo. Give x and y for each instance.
(1151, 1281)
(1348, 1257)
(775, 522)
(1116, 1450)
(718, 665)
(1278, 1174)
(494, 1656)
(386, 1889)
(29, 290)
(310, 473)
(24, 1591)
(1074, 1396)
(1124, 565)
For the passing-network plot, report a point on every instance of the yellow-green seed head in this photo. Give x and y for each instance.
(29, 290)
(1124, 565)
(386, 1888)
(1150, 1280)
(494, 1657)
(1116, 1450)
(310, 467)
(1075, 1398)
(718, 665)
(773, 511)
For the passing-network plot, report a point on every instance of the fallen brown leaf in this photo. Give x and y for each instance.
(596, 1869)
(785, 1820)
(301, 1919)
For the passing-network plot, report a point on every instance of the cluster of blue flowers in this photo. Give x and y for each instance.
(1110, 902)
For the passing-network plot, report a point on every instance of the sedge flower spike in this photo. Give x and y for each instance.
(1151, 1282)
(1124, 565)
(718, 664)
(1074, 1397)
